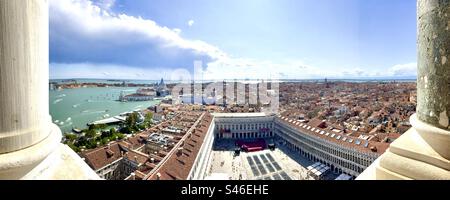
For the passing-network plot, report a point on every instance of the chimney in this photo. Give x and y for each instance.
(158, 176)
(135, 159)
(133, 176)
(152, 160)
(180, 151)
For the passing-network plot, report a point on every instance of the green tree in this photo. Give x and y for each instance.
(91, 133)
(71, 137)
(92, 144)
(82, 141)
(74, 148)
(104, 141)
(131, 122)
(131, 119)
(102, 126)
(142, 126)
(127, 130)
(149, 117)
(93, 127)
(120, 136)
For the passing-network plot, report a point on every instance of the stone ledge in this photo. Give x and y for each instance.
(375, 172)
(412, 145)
(435, 140)
(62, 164)
(14, 165)
(47, 160)
(411, 168)
(409, 157)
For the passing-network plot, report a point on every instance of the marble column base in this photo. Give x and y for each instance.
(46, 160)
(16, 164)
(411, 157)
(62, 164)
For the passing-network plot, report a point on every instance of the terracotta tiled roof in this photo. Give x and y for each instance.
(179, 165)
(138, 157)
(100, 157)
(139, 175)
(136, 141)
(322, 133)
(317, 123)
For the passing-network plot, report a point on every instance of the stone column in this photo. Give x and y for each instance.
(27, 134)
(423, 152)
(433, 84)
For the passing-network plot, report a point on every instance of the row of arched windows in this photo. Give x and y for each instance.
(244, 126)
(326, 153)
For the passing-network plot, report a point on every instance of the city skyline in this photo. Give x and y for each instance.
(289, 91)
(282, 39)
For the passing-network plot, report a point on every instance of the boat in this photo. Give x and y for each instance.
(75, 130)
(57, 101)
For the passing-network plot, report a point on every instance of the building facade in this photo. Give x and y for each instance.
(243, 125)
(340, 158)
(136, 97)
(342, 153)
(203, 160)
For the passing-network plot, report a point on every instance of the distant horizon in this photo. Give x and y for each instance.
(306, 79)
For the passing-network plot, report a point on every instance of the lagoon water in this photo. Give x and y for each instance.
(74, 108)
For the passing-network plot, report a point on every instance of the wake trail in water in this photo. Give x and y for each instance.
(57, 101)
(93, 111)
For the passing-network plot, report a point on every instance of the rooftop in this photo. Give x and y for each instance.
(180, 162)
(238, 115)
(338, 138)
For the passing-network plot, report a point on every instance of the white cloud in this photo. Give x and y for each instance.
(80, 29)
(177, 30)
(241, 68)
(191, 22)
(409, 69)
(88, 40)
(105, 4)
(95, 70)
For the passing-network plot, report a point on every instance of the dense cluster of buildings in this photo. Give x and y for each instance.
(343, 126)
(141, 156)
(381, 110)
(146, 94)
(142, 94)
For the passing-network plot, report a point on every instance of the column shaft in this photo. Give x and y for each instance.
(433, 95)
(24, 106)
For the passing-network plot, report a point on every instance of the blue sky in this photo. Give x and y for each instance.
(297, 39)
